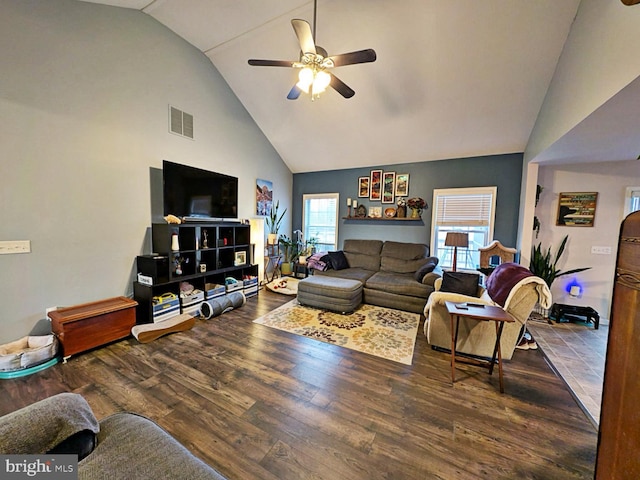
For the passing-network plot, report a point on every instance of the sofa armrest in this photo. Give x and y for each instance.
(43, 426)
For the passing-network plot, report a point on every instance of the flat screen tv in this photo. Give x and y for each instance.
(197, 193)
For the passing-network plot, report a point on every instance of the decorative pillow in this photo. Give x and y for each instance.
(338, 260)
(428, 267)
(460, 282)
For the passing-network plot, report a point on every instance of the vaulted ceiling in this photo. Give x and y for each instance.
(453, 78)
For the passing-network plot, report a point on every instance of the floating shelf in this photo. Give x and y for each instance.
(385, 219)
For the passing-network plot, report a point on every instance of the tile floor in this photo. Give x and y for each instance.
(577, 352)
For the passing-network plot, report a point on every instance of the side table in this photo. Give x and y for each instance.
(483, 313)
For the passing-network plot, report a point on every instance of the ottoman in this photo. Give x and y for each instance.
(331, 293)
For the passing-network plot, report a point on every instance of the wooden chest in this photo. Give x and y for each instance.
(83, 327)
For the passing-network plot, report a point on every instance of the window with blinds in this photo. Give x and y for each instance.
(320, 219)
(632, 200)
(469, 210)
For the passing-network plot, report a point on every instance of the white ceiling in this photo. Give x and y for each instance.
(453, 78)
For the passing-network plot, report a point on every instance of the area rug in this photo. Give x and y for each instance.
(378, 331)
(284, 285)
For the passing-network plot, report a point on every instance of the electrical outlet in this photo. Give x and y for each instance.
(601, 250)
(16, 246)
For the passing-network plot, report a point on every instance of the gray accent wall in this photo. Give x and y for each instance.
(85, 91)
(503, 171)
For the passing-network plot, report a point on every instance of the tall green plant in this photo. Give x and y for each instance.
(544, 267)
(273, 220)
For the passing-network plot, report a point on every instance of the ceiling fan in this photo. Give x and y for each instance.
(314, 63)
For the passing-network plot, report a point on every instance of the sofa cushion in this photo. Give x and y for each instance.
(463, 283)
(428, 267)
(360, 274)
(401, 257)
(363, 253)
(401, 284)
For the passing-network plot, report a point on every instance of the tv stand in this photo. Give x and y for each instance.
(207, 254)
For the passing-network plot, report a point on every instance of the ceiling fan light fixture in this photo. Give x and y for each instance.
(320, 82)
(305, 79)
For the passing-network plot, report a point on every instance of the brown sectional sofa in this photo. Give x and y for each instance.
(387, 271)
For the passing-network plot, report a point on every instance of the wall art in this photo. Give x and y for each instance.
(375, 185)
(402, 185)
(388, 184)
(577, 209)
(363, 187)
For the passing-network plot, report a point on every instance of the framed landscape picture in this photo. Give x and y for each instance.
(402, 185)
(375, 185)
(240, 258)
(388, 184)
(363, 187)
(577, 209)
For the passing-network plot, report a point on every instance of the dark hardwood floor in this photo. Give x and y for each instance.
(257, 403)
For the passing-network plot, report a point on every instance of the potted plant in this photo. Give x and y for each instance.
(543, 266)
(273, 222)
(290, 252)
(308, 249)
(416, 204)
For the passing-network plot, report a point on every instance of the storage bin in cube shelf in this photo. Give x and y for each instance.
(165, 306)
(234, 287)
(213, 290)
(191, 302)
(250, 286)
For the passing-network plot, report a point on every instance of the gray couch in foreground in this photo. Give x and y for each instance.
(121, 446)
(390, 272)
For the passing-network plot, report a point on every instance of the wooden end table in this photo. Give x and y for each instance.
(486, 313)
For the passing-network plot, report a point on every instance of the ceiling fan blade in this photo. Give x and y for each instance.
(361, 56)
(341, 87)
(630, 2)
(294, 93)
(304, 34)
(271, 63)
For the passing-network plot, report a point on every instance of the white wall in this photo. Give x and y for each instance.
(610, 180)
(84, 96)
(599, 59)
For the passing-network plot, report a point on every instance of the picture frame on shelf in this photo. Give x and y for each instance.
(388, 185)
(363, 187)
(375, 212)
(375, 185)
(402, 185)
(240, 259)
(576, 209)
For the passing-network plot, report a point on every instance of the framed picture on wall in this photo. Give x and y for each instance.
(577, 209)
(375, 185)
(264, 197)
(388, 184)
(363, 187)
(402, 185)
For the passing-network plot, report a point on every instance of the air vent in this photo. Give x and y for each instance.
(180, 123)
